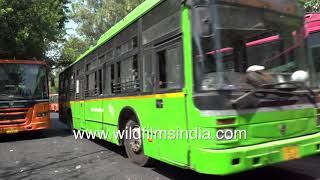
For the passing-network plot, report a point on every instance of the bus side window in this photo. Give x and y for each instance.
(95, 89)
(169, 69)
(77, 87)
(100, 82)
(72, 82)
(87, 86)
(107, 80)
(113, 76)
(129, 75)
(147, 73)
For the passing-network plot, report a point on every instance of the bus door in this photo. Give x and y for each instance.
(170, 102)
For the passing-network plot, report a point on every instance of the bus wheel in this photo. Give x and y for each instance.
(134, 144)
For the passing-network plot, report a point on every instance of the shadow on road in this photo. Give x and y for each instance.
(264, 173)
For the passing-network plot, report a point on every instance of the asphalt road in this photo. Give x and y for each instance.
(54, 154)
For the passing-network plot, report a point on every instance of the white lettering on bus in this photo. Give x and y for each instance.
(98, 110)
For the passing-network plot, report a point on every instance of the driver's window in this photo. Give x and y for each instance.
(169, 69)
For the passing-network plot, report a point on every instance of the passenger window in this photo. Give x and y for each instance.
(91, 84)
(112, 82)
(107, 80)
(129, 74)
(100, 82)
(169, 69)
(148, 75)
(161, 21)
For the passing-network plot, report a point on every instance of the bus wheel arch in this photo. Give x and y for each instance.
(126, 114)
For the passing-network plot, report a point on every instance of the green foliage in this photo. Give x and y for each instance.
(54, 90)
(312, 5)
(28, 27)
(96, 17)
(71, 50)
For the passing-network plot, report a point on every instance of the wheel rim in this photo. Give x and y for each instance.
(135, 140)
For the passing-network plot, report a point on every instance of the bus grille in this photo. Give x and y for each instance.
(8, 117)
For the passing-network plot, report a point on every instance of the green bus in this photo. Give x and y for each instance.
(212, 66)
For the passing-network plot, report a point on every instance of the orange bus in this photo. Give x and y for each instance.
(54, 105)
(24, 96)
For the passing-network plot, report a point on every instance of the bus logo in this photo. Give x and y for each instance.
(111, 109)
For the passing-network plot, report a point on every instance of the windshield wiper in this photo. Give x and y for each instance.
(298, 85)
(253, 97)
(274, 85)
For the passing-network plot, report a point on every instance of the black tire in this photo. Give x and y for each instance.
(136, 155)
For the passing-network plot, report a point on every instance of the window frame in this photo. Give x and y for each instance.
(167, 45)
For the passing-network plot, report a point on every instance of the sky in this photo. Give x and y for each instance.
(71, 28)
(71, 25)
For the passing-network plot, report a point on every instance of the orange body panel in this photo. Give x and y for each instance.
(4, 61)
(27, 119)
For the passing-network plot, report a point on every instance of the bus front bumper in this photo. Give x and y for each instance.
(229, 161)
(40, 124)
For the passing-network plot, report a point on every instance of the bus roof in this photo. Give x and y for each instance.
(125, 22)
(312, 22)
(9, 61)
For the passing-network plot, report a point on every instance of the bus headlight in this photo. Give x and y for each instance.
(42, 114)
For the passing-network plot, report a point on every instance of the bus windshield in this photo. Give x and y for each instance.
(23, 81)
(314, 50)
(233, 38)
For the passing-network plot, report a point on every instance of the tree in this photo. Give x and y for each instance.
(95, 17)
(312, 5)
(28, 27)
(71, 50)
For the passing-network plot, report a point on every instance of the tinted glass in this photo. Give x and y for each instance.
(19, 81)
(170, 69)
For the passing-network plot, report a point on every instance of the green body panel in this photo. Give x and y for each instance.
(219, 162)
(265, 139)
(171, 117)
